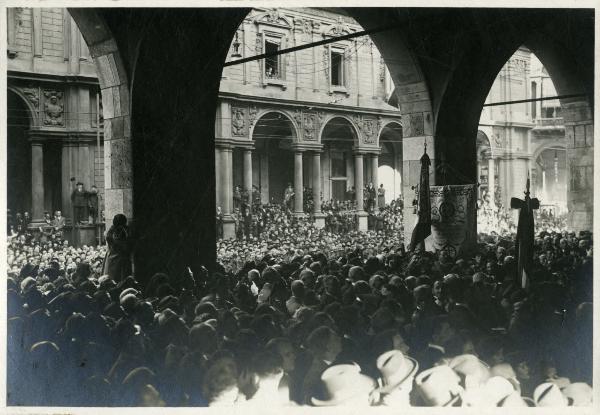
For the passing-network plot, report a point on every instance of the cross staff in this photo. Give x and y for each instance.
(525, 234)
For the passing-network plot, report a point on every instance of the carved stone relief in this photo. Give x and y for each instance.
(417, 124)
(238, 122)
(368, 128)
(309, 126)
(53, 108)
(252, 114)
(33, 95)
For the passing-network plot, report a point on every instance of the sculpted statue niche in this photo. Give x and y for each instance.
(53, 108)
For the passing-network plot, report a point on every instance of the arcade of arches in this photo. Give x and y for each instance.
(439, 103)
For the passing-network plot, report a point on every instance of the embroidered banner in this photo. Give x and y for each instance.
(454, 218)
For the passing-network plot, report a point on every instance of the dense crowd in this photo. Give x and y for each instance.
(349, 320)
(494, 218)
(275, 229)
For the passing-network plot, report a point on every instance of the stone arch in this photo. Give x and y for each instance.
(386, 125)
(484, 142)
(354, 127)
(116, 110)
(32, 113)
(295, 129)
(548, 146)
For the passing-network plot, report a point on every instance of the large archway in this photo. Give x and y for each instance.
(391, 161)
(273, 136)
(339, 138)
(18, 168)
(424, 73)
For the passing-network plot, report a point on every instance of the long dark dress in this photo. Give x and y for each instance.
(117, 263)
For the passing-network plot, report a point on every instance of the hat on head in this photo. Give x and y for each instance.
(489, 394)
(579, 394)
(396, 369)
(439, 386)
(472, 371)
(549, 395)
(341, 383)
(514, 400)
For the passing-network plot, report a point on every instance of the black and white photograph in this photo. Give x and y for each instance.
(257, 206)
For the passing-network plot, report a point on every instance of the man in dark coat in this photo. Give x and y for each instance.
(117, 263)
(80, 203)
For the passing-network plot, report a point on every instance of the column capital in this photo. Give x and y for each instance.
(375, 151)
(301, 147)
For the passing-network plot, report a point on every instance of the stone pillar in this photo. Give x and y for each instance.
(359, 185)
(492, 179)
(37, 181)
(248, 174)
(218, 184)
(375, 176)
(227, 192)
(298, 186)
(579, 134)
(316, 170)
(264, 178)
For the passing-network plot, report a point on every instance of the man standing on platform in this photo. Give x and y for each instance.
(92, 196)
(59, 223)
(80, 204)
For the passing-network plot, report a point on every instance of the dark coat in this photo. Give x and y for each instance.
(117, 263)
(79, 199)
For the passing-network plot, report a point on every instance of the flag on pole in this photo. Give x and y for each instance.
(525, 235)
(423, 228)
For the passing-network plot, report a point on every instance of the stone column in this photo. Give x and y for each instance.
(37, 181)
(298, 186)
(227, 192)
(492, 179)
(316, 170)
(218, 184)
(359, 185)
(248, 174)
(375, 176)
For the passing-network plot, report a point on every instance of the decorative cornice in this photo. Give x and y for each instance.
(63, 79)
(63, 136)
(391, 113)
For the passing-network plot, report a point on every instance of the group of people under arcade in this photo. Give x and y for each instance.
(493, 218)
(365, 325)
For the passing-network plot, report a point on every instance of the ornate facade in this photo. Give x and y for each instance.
(315, 118)
(54, 126)
(526, 138)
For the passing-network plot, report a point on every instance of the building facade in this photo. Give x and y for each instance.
(523, 139)
(316, 118)
(55, 136)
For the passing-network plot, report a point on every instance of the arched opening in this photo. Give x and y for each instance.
(18, 157)
(338, 138)
(526, 140)
(390, 161)
(273, 136)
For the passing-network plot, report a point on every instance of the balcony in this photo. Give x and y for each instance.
(549, 122)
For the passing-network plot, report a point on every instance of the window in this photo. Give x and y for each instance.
(337, 68)
(272, 63)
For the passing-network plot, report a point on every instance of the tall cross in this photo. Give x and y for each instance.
(525, 234)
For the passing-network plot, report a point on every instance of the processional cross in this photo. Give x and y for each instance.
(525, 234)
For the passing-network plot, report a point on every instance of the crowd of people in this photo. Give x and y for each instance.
(494, 218)
(328, 320)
